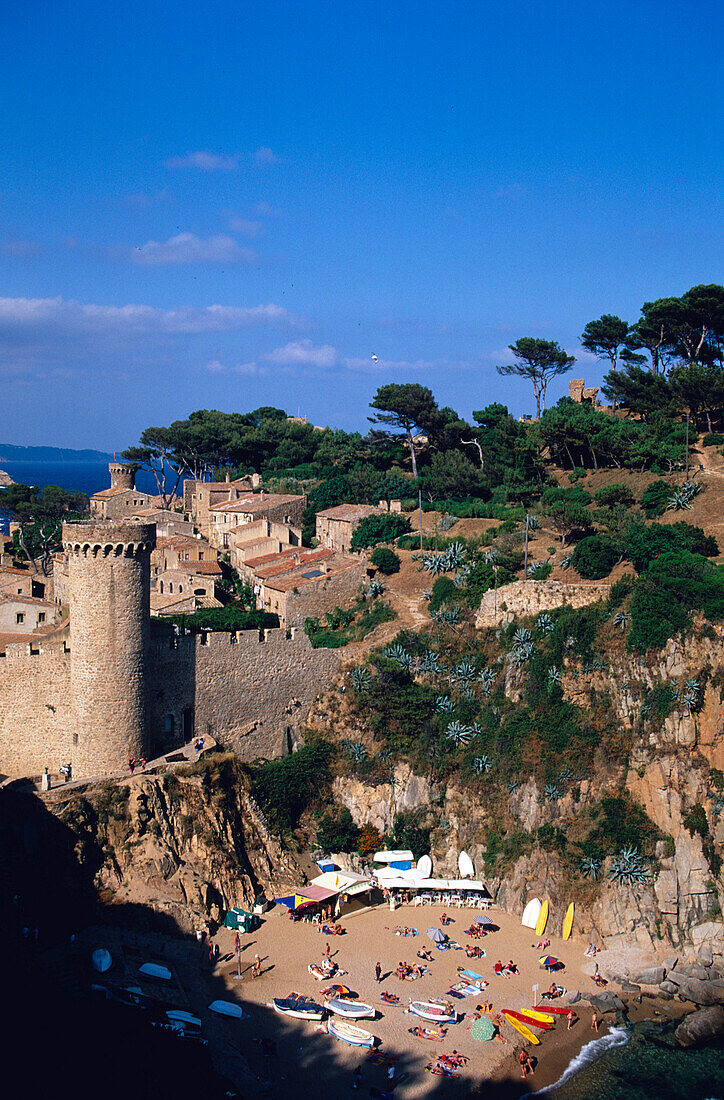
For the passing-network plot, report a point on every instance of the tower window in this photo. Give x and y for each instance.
(19, 618)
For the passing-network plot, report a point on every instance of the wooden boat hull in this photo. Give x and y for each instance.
(523, 1029)
(351, 1010)
(348, 1033)
(316, 1013)
(427, 1012)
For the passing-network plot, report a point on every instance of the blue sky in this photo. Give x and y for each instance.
(232, 204)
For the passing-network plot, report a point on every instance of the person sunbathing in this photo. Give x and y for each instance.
(485, 1006)
(599, 980)
(542, 944)
(424, 954)
(552, 992)
(511, 968)
(445, 919)
(498, 968)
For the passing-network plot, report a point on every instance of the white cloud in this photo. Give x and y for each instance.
(215, 366)
(245, 227)
(24, 319)
(207, 162)
(265, 155)
(187, 248)
(303, 351)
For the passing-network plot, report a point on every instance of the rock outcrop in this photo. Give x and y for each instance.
(702, 1027)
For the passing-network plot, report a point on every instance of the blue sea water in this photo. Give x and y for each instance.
(83, 477)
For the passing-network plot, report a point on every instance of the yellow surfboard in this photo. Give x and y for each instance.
(542, 920)
(524, 1031)
(568, 921)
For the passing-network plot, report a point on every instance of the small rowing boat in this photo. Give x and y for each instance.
(227, 1008)
(155, 970)
(301, 1008)
(352, 1010)
(431, 1010)
(348, 1033)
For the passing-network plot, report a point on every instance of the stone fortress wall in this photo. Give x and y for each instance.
(107, 688)
(499, 607)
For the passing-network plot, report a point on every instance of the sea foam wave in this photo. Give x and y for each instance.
(616, 1037)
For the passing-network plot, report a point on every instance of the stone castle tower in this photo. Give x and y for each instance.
(123, 475)
(109, 569)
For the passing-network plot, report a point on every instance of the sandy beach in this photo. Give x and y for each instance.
(303, 1050)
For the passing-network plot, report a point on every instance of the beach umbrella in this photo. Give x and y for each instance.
(437, 935)
(483, 920)
(549, 962)
(483, 1029)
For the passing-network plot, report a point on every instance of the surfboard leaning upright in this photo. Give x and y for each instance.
(542, 920)
(568, 921)
(531, 913)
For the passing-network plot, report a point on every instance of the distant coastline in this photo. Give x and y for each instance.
(10, 452)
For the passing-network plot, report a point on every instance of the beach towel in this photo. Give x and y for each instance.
(472, 975)
(455, 993)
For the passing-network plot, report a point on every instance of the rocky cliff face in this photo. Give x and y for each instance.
(188, 845)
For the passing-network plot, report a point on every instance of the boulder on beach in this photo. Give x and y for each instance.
(653, 975)
(700, 992)
(701, 1027)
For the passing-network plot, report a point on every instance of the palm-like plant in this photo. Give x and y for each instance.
(361, 679)
(375, 588)
(591, 867)
(554, 675)
(356, 750)
(551, 792)
(464, 673)
(621, 620)
(486, 679)
(482, 764)
(629, 868)
(458, 733)
(545, 624)
(444, 704)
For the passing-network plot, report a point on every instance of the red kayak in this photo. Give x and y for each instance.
(558, 1010)
(529, 1021)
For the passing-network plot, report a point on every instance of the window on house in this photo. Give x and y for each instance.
(19, 618)
(180, 588)
(41, 617)
(170, 587)
(169, 724)
(201, 556)
(20, 592)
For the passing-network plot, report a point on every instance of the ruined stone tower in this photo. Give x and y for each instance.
(123, 475)
(108, 588)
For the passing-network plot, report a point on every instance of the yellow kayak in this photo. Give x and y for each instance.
(542, 1017)
(524, 1031)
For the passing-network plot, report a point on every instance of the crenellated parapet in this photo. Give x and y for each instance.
(105, 540)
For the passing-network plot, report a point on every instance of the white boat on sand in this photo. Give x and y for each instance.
(352, 1010)
(348, 1033)
(431, 1010)
(227, 1008)
(302, 1008)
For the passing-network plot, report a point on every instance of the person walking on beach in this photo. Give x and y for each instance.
(327, 951)
(378, 972)
(571, 1019)
(594, 1022)
(357, 1077)
(526, 1066)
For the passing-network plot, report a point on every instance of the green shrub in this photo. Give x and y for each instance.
(696, 822)
(387, 561)
(224, 618)
(713, 439)
(642, 544)
(443, 591)
(620, 589)
(409, 832)
(337, 833)
(285, 787)
(594, 557)
(383, 527)
(655, 498)
(609, 495)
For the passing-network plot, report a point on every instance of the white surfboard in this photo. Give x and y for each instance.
(424, 867)
(465, 866)
(531, 913)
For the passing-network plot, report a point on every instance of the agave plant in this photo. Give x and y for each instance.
(534, 569)
(454, 556)
(433, 564)
(464, 673)
(565, 775)
(513, 786)
(399, 654)
(360, 678)
(591, 867)
(621, 620)
(521, 654)
(447, 615)
(690, 695)
(429, 664)
(551, 792)
(447, 522)
(717, 804)
(383, 756)
(467, 692)
(491, 555)
(375, 588)
(427, 594)
(356, 750)
(629, 868)
(566, 561)
(444, 704)
(682, 498)
(521, 636)
(645, 708)
(486, 679)
(545, 624)
(554, 675)
(482, 764)
(458, 733)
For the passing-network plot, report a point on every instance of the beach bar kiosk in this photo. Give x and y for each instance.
(399, 861)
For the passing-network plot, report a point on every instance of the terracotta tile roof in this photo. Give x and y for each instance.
(256, 503)
(283, 563)
(36, 601)
(346, 513)
(289, 581)
(203, 568)
(106, 494)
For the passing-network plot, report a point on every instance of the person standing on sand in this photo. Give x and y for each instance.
(378, 971)
(526, 1066)
(571, 1019)
(594, 1022)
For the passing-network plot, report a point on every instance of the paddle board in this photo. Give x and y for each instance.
(528, 1020)
(568, 921)
(540, 925)
(424, 867)
(524, 1031)
(465, 866)
(531, 913)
